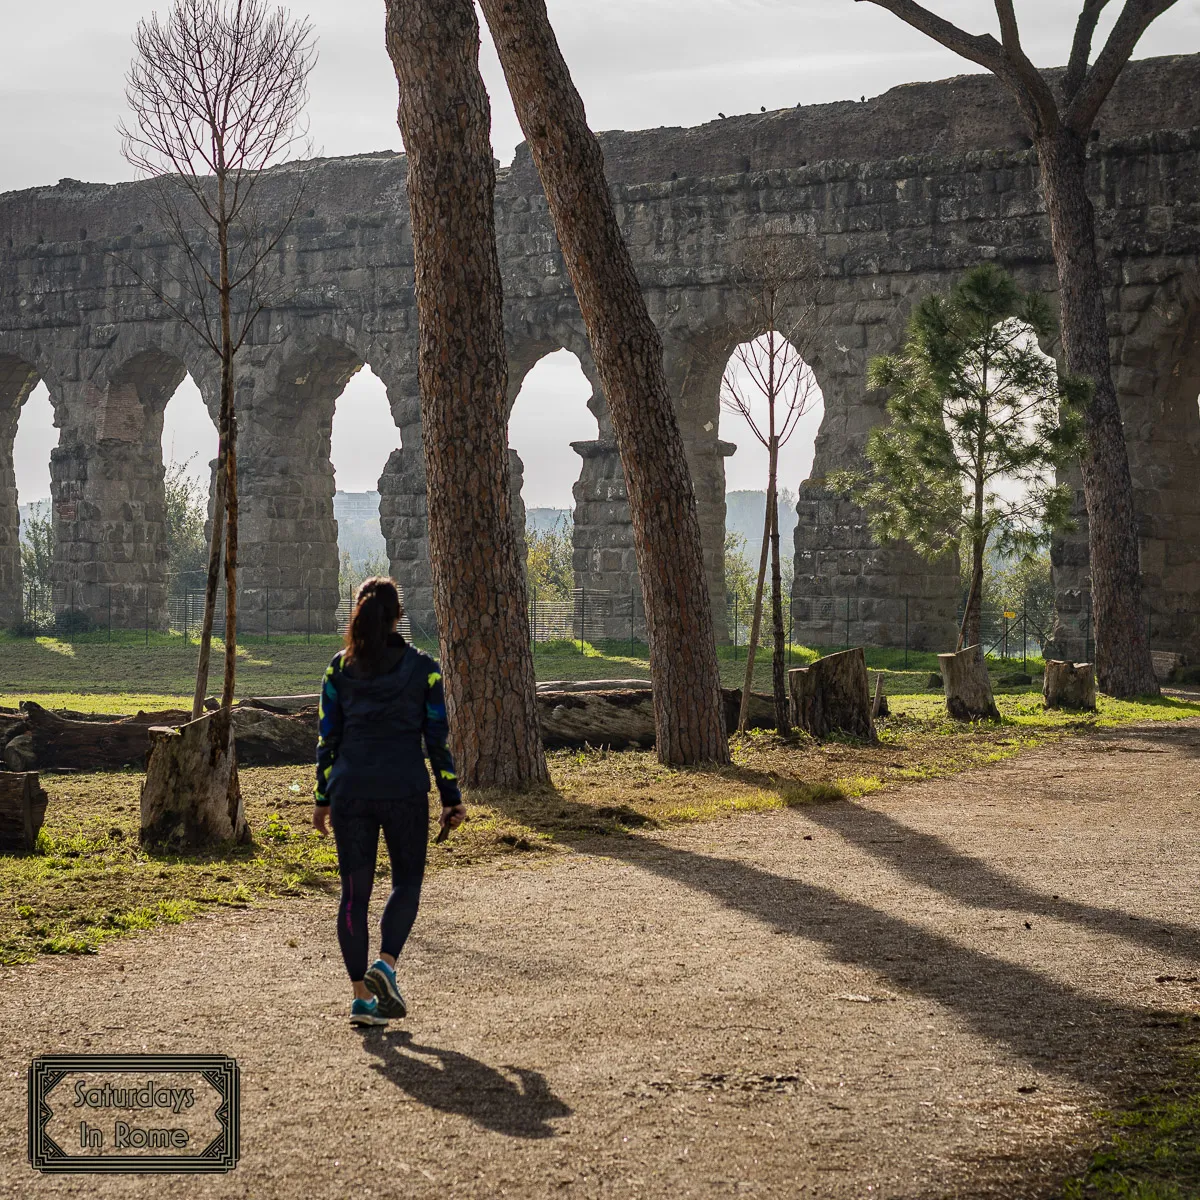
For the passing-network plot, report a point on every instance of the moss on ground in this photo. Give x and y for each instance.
(1152, 1147)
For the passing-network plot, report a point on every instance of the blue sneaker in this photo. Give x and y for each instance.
(381, 979)
(366, 1012)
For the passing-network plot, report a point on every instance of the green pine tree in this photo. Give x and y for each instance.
(979, 420)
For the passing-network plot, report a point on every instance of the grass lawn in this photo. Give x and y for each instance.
(91, 673)
(91, 880)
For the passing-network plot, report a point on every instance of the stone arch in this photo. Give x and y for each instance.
(744, 381)
(527, 380)
(288, 529)
(18, 378)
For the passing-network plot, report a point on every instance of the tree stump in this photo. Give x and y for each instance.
(22, 810)
(191, 797)
(833, 696)
(967, 686)
(1069, 685)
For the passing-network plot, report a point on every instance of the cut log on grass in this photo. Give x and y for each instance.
(760, 714)
(621, 720)
(594, 685)
(22, 810)
(967, 686)
(191, 798)
(96, 745)
(18, 753)
(268, 739)
(1069, 685)
(832, 696)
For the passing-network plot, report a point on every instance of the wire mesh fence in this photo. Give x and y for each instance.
(586, 616)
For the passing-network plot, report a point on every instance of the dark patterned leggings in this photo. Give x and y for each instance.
(356, 826)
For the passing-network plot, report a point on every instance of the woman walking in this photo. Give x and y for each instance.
(380, 698)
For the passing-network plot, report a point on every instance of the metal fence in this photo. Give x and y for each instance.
(587, 616)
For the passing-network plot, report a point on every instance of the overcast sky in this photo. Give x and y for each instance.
(637, 63)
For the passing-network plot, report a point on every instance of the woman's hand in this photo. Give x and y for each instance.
(453, 815)
(321, 818)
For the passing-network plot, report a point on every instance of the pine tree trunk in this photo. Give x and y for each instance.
(1123, 663)
(478, 580)
(628, 353)
(975, 603)
(779, 688)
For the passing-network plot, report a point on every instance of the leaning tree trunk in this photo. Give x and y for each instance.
(628, 354)
(478, 580)
(1123, 662)
(967, 686)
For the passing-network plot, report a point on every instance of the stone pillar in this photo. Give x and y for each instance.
(888, 588)
(287, 532)
(694, 375)
(17, 380)
(403, 503)
(106, 482)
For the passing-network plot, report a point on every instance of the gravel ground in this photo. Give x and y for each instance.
(924, 993)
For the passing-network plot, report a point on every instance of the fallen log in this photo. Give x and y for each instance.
(62, 743)
(191, 797)
(22, 810)
(268, 739)
(18, 753)
(967, 687)
(1069, 685)
(618, 720)
(832, 695)
(594, 685)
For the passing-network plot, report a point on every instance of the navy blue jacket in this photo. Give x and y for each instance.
(371, 728)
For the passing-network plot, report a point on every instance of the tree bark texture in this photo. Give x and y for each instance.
(212, 579)
(22, 811)
(755, 621)
(1123, 664)
(967, 686)
(628, 354)
(832, 695)
(478, 577)
(191, 797)
(779, 687)
(1069, 685)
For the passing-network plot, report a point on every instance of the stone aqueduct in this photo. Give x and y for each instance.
(898, 194)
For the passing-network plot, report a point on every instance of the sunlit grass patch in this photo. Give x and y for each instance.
(1152, 1151)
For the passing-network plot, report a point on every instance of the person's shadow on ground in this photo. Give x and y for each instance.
(456, 1083)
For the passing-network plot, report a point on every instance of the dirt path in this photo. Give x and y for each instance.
(921, 994)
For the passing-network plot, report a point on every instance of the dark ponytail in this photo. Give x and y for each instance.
(376, 611)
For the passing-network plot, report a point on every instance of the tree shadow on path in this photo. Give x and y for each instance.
(452, 1082)
(1046, 1021)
